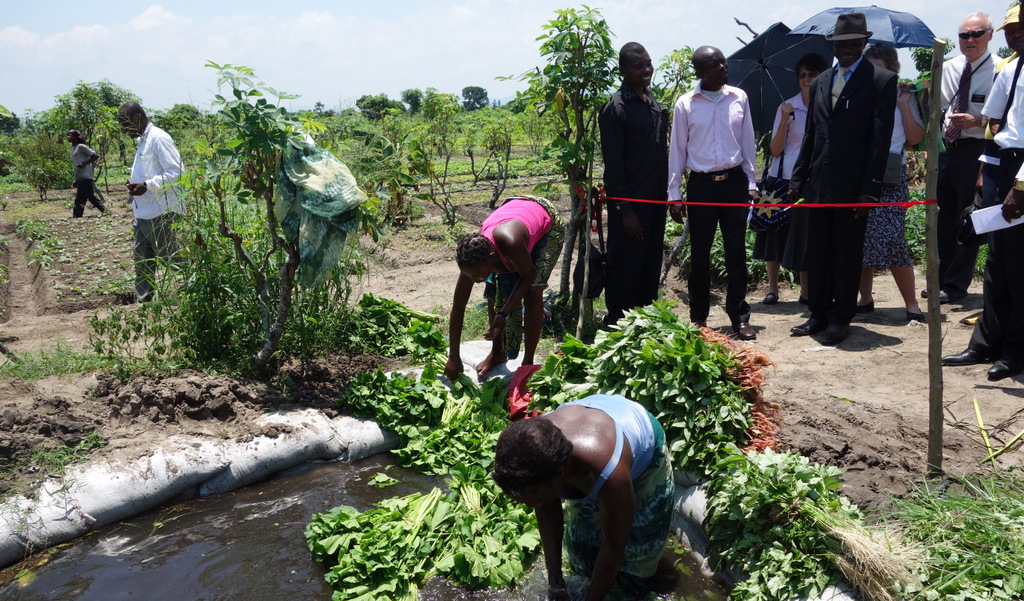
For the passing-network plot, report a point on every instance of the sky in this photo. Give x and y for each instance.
(336, 51)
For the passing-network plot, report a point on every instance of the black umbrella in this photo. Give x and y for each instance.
(764, 70)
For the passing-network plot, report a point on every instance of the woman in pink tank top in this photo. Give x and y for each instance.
(519, 243)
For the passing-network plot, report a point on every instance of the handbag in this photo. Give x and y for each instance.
(965, 234)
(598, 256)
(893, 169)
(763, 216)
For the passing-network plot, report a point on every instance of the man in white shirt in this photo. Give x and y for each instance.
(964, 92)
(999, 335)
(155, 199)
(713, 138)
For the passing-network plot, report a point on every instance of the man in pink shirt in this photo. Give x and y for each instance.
(713, 138)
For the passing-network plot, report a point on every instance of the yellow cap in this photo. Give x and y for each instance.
(1012, 16)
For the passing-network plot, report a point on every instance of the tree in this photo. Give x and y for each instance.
(431, 155)
(413, 98)
(923, 58)
(574, 85)
(9, 122)
(83, 107)
(674, 76)
(474, 98)
(375, 107)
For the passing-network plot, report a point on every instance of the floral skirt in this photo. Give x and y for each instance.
(885, 241)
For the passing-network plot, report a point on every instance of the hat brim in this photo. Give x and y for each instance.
(1008, 23)
(848, 36)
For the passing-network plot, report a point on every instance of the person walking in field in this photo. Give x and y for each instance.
(156, 203)
(82, 159)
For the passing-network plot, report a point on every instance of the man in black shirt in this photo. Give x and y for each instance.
(634, 142)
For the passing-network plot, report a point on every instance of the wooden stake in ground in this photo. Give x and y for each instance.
(932, 268)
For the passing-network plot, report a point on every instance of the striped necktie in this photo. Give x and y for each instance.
(952, 132)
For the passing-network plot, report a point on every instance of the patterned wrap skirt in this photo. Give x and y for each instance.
(655, 492)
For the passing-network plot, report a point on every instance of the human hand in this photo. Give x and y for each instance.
(453, 368)
(792, 196)
(631, 224)
(861, 211)
(787, 111)
(1013, 205)
(677, 212)
(497, 325)
(74, 184)
(754, 195)
(903, 98)
(557, 591)
(137, 188)
(964, 120)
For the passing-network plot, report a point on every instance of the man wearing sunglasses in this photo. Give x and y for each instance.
(966, 82)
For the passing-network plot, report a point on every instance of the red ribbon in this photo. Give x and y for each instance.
(840, 205)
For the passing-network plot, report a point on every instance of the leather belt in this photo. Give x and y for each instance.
(716, 176)
(962, 142)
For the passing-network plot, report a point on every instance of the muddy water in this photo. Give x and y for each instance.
(248, 544)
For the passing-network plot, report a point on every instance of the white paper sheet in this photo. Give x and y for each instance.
(991, 219)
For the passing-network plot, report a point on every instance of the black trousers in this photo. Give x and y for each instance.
(957, 182)
(834, 253)
(84, 192)
(1000, 331)
(634, 266)
(704, 220)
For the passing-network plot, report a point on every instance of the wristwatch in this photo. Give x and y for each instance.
(1018, 184)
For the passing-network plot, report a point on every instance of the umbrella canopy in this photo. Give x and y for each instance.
(764, 70)
(902, 30)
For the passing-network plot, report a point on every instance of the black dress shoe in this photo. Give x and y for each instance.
(811, 326)
(834, 334)
(867, 308)
(1004, 368)
(968, 357)
(744, 331)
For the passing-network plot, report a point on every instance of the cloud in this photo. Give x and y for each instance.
(16, 37)
(154, 17)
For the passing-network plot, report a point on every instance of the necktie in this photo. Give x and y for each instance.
(952, 132)
(837, 87)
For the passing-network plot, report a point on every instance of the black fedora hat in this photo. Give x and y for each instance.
(851, 26)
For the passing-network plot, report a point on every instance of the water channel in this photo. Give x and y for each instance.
(249, 544)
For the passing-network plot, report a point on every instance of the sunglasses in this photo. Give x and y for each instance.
(806, 75)
(977, 33)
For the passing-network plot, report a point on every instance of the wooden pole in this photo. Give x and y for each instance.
(932, 269)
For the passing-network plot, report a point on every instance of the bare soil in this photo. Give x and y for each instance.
(862, 406)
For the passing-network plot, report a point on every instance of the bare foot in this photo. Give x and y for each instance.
(492, 360)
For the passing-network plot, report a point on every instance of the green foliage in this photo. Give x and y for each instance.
(375, 107)
(758, 522)
(58, 362)
(974, 536)
(430, 155)
(9, 122)
(663, 363)
(88, 105)
(474, 98)
(391, 329)
(474, 535)
(923, 59)
(43, 244)
(43, 161)
(413, 98)
(674, 76)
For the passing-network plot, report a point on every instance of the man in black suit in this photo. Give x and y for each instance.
(842, 161)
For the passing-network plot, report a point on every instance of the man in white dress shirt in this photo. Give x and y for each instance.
(964, 93)
(713, 139)
(155, 199)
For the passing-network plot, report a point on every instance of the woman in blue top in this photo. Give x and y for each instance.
(607, 456)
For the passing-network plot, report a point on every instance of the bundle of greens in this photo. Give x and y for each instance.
(695, 388)
(473, 534)
(390, 328)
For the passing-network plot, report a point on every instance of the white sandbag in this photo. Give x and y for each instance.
(101, 493)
